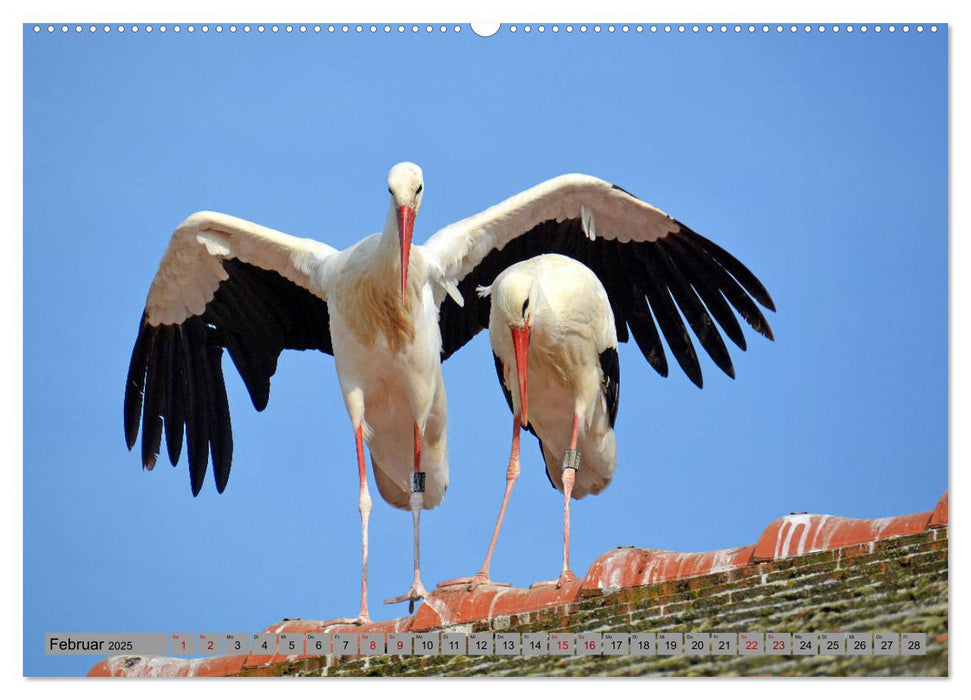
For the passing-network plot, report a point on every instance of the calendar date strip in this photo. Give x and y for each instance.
(526, 644)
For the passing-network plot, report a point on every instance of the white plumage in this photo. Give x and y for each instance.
(571, 328)
(615, 214)
(554, 340)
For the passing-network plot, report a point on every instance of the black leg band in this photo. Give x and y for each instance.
(418, 482)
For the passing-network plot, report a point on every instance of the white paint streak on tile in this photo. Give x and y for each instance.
(147, 666)
(650, 574)
(723, 559)
(821, 531)
(441, 609)
(787, 531)
(499, 594)
(614, 566)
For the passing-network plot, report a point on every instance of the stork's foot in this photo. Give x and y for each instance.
(565, 578)
(415, 593)
(473, 582)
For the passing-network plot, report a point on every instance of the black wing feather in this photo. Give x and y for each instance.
(220, 425)
(176, 375)
(135, 385)
(751, 283)
(650, 285)
(197, 406)
(155, 400)
(639, 317)
(713, 299)
(667, 315)
(733, 291)
(695, 313)
(610, 384)
(247, 354)
(616, 283)
(175, 399)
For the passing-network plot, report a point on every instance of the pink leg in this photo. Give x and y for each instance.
(571, 462)
(364, 506)
(417, 590)
(512, 473)
(569, 475)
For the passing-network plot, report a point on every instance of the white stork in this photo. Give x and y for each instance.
(552, 330)
(390, 312)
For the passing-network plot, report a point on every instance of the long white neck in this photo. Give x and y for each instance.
(388, 258)
(389, 251)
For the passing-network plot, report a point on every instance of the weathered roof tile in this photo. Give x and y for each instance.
(798, 534)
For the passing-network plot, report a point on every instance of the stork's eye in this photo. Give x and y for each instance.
(418, 191)
(525, 306)
(390, 192)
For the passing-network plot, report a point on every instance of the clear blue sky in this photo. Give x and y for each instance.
(818, 160)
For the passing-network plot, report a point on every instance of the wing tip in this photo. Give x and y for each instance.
(197, 477)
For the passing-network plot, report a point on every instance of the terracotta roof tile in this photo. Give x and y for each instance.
(454, 605)
(628, 567)
(794, 535)
(939, 516)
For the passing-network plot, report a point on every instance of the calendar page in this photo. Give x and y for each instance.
(519, 349)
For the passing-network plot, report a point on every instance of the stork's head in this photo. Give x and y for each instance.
(514, 301)
(405, 183)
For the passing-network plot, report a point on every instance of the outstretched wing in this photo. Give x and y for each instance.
(654, 268)
(223, 283)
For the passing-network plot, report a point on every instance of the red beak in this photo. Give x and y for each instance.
(406, 225)
(520, 342)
